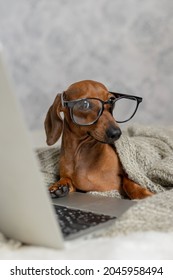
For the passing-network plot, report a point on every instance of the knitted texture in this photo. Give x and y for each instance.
(146, 154)
(49, 164)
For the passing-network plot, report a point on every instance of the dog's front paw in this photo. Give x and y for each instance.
(57, 190)
(61, 188)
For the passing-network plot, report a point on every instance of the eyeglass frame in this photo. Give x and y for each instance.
(70, 104)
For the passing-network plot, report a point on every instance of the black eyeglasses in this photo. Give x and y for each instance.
(87, 111)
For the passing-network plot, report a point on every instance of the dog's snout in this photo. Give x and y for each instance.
(113, 133)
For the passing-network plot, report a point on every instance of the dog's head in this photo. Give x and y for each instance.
(89, 117)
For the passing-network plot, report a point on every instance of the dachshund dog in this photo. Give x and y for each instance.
(88, 158)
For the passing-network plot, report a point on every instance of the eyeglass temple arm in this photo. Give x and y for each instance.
(127, 95)
(65, 103)
(62, 100)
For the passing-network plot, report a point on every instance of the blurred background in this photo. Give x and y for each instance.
(127, 45)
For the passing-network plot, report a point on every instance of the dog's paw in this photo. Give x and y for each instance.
(61, 188)
(57, 190)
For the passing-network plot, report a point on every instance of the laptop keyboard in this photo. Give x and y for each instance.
(73, 221)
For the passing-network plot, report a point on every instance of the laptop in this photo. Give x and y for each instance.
(27, 212)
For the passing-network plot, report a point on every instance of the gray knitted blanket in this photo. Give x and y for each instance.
(146, 154)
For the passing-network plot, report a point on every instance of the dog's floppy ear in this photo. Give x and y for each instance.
(53, 122)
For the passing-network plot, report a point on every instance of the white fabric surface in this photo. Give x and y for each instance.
(141, 245)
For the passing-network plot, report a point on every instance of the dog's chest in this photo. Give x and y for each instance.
(97, 170)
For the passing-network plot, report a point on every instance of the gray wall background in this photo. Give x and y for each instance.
(125, 44)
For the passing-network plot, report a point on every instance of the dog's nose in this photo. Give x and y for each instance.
(113, 133)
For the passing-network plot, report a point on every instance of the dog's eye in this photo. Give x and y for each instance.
(84, 105)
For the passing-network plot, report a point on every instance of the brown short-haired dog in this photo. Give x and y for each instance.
(88, 159)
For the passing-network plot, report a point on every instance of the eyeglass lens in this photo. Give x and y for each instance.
(86, 112)
(124, 109)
